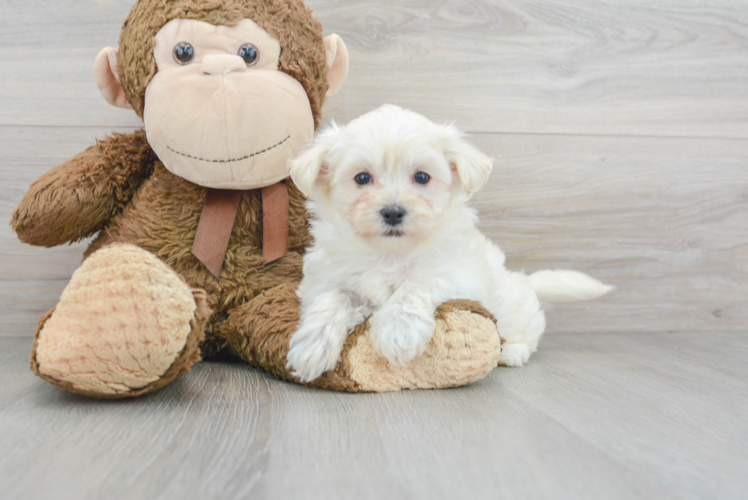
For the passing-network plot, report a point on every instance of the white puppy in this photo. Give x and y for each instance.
(393, 239)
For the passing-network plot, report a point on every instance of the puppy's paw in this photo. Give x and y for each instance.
(401, 335)
(514, 354)
(311, 355)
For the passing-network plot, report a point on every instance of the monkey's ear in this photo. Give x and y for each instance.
(107, 78)
(310, 166)
(337, 63)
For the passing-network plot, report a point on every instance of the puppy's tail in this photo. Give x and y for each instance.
(567, 286)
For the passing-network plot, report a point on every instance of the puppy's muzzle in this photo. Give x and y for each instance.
(393, 215)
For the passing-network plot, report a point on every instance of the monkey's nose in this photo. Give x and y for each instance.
(220, 64)
(393, 215)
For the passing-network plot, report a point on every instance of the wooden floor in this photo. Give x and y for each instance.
(594, 416)
(620, 130)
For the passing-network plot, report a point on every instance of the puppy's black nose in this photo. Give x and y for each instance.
(393, 215)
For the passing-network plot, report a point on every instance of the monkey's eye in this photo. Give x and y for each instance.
(422, 178)
(362, 179)
(184, 53)
(249, 53)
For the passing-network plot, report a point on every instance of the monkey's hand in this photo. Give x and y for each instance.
(77, 198)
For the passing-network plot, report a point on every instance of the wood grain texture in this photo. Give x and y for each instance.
(553, 66)
(594, 67)
(651, 416)
(23, 302)
(664, 220)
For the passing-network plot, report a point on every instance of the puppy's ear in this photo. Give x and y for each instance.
(471, 165)
(309, 167)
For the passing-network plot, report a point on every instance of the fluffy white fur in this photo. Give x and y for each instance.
(361, 267)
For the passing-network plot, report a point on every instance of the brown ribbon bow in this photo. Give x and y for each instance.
(217, 223)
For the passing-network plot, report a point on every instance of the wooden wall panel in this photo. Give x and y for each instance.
(620, 130)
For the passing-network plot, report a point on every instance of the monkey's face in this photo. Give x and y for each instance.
(218, 112)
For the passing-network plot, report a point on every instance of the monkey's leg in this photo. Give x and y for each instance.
(465, 347)
(125, 325)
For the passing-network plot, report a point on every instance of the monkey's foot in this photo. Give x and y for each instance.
(465, 346)
(125, 325)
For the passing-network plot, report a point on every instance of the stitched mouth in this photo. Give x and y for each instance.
(232, 160)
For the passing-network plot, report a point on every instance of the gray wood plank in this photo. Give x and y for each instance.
(658, 403)
(23, 302)
(592, 416)
(586, 67)
(665, 220)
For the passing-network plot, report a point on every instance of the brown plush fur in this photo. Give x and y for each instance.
(76, 199)
(120, 190)
(160, 216)
(276, 314)
(290, 21)
(255, 307)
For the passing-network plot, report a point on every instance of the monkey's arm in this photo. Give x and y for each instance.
(76, 199)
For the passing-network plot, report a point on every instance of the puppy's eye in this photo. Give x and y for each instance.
(249, 53)
(184, 53)
(422, 178)
(363, 178)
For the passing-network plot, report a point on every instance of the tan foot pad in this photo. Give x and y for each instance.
(123, 321)
(465, 348)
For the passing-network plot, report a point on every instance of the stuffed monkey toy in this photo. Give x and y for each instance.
(198, 234)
